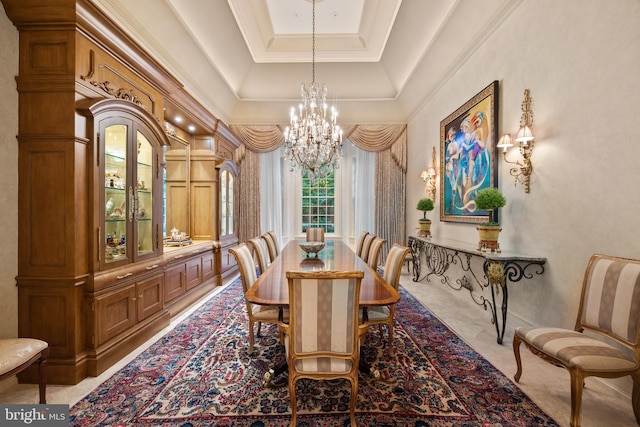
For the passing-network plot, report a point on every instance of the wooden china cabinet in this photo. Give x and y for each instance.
(97, 271)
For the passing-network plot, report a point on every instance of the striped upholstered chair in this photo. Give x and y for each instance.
(322, 339)
(374, 252)
(260, 251)
(361, 243)
(315, 234)
(275, 241)
(271, 246)
(256, 313)
(609, 308)
(392, 269)
(366, 245)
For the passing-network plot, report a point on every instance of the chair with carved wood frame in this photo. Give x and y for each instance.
(361, 243)
(366, 245)
(374, 252)
(315, 349)
(275, 241)
(256, 313)
(383, 315)
(610, 314)
(271, 246)
(260, 251)
(315, 234)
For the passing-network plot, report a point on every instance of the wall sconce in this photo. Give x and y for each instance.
(429, 177)
(522, 169)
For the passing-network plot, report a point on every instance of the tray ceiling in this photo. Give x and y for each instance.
(245, 59)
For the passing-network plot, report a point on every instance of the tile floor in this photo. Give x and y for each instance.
(602, 403)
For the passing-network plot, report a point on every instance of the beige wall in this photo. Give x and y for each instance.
(581, 61)
(8, 177)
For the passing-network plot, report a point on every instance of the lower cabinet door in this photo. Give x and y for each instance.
(115, 312)
(174, 282)
(194, 272)
(208, 266)
(150, 296)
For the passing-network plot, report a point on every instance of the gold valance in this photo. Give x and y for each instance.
(260, 138)
(265, 138)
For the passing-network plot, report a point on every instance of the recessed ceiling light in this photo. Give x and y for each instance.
(335, 14)
(191, 128)
(178, 119)
(295, 15)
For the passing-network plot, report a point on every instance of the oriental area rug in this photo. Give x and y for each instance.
(199, 374)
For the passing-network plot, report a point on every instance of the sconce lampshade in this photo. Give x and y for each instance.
(505, 141)
(431, 172)
(424, 175)
(524, 135)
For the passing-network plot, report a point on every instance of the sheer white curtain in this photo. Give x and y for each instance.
(271, 193)
(358, 192)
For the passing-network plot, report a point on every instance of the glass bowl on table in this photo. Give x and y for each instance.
(312, 247)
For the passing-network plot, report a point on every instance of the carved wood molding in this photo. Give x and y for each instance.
(121, 93)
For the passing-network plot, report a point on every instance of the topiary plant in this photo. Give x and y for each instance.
(490, 199)
(425, 205)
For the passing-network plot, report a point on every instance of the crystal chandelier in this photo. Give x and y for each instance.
(313, 141)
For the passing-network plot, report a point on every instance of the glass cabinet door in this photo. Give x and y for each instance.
(130, 184)
(144, 195)
(226, 203)
(117, 209)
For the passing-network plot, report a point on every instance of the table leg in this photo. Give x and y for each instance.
(497, 282)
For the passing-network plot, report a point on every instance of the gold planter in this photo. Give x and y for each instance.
(425, 228)
(489, 237)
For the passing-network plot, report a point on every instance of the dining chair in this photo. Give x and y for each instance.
(315, 234)
(368, 240)
(610, 314)
(374, 252)
(271, 246)
(384, 314)
(361, 243)
(256, 313)
(260, 251)
(275, 241)
(322, 338)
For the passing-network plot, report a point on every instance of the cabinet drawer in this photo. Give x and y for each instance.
(115, 313)
(150, 296)
(174, 282)
(194, 272)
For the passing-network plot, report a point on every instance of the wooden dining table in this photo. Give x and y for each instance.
(272, 287)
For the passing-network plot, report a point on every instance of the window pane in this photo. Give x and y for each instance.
(318, 203)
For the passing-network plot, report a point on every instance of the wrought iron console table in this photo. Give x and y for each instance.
(499, 268)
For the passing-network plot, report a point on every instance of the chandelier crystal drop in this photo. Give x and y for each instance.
(313, 140)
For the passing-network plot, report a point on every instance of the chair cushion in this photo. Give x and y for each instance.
(16, 351)
(577, 350)
(267, 312)
(319, 365)
(378, 313)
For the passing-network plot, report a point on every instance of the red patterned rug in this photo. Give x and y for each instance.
(199, 374)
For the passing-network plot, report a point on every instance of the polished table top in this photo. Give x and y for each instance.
(272, 288)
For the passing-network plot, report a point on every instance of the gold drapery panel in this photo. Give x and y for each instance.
(390, 201)
(247, 194)
(388, 141)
